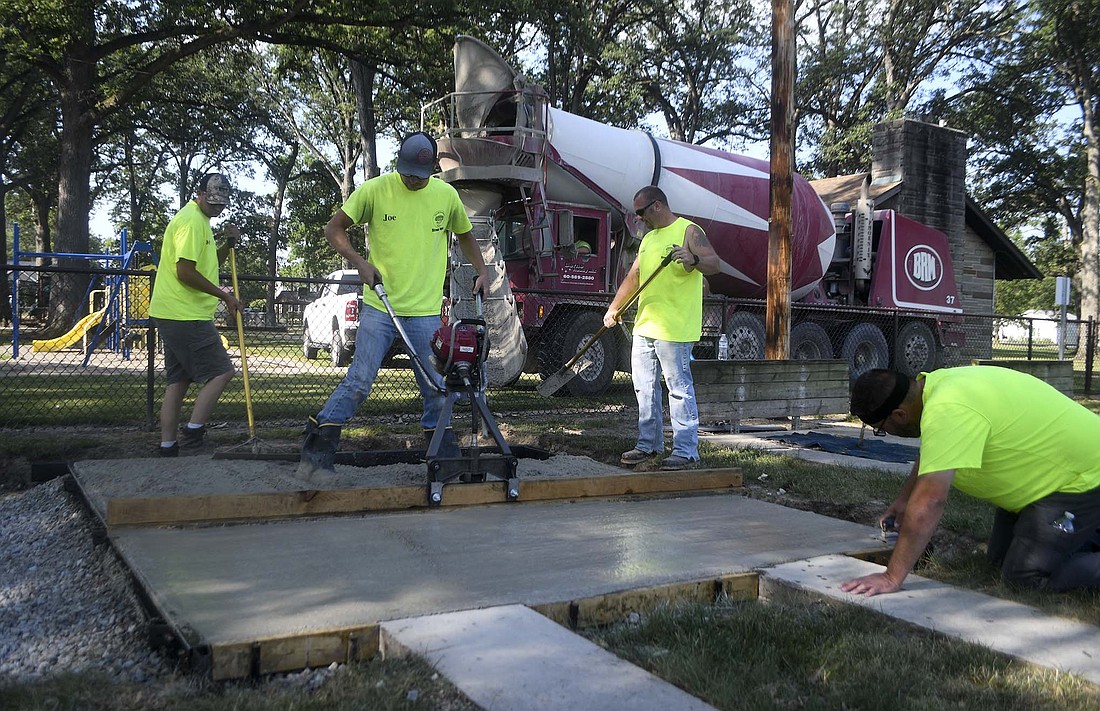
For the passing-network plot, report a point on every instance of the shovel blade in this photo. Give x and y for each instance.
(558, 380)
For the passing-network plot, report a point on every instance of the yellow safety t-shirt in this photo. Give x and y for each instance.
(407, 239)
(188, 236)
(671, 307)
(1011, 439)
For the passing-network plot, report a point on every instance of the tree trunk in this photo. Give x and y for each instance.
(273, 236)
(364, 75)
(5, 293)
(74, 194)
(1090, 215)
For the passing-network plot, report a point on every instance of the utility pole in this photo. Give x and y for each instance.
(778, 321)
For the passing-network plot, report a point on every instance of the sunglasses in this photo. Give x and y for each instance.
(641, 210)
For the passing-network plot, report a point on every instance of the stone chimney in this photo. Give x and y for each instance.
(930, 163)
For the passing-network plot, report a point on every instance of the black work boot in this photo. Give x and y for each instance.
(318, 461)
(448, 446)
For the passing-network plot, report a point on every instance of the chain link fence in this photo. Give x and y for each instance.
(108, 366)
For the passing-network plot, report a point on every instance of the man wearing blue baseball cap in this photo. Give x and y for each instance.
(409, 216)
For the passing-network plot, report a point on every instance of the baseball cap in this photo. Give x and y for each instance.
(216, 188)
(416, 156)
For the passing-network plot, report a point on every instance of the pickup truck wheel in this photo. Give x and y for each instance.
(916, 349)
(809, 341)
(746, 336)
(572, 337)
(865, 349)
(340, 353)
(308, 349)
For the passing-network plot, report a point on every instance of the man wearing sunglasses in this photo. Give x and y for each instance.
(668, 323)
(1004, 437)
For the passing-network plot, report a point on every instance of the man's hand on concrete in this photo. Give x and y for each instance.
(870, 585)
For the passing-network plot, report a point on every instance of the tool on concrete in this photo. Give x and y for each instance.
(458, 355)
(254, 445)
(889, 529)
(573, 366)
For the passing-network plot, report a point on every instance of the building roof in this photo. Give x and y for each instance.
(1009, 261)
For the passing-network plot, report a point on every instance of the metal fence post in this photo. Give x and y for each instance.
(1090, 351)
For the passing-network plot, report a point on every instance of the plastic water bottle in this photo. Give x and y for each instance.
(723, 348)
(1064, 522)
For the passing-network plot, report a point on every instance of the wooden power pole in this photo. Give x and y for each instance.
(778, 325)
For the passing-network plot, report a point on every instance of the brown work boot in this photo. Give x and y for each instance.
(636, 456)
(675, 463)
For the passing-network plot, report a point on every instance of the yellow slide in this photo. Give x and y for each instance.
(82, 327)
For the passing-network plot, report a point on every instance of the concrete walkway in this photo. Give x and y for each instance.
(511, 658)
(1017, 630)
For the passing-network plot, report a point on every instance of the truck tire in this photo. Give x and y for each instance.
(746, 336)
(865, 349)
(916, 350)
(570, 338)
(340, 354)
(809, 341)
(309, 351)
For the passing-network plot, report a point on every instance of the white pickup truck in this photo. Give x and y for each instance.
(332, 320)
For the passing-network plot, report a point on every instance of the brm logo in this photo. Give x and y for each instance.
(923, 267)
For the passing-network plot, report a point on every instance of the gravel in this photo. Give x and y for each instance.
(66, 604)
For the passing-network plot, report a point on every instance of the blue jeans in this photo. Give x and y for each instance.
(372, 342)
(649, 358)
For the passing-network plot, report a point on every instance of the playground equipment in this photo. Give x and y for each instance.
(124, 306)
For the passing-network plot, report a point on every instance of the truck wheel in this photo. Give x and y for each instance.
(865, 349)
(746, 336)
(340, 353)
(916, 349)
(308, 349)
(594, 379)
(809, 341)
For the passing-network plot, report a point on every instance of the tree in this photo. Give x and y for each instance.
(99, 56)
(1031, 164)
(864, 61)
(697, 66)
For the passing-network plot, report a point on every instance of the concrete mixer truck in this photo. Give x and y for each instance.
(555, 191)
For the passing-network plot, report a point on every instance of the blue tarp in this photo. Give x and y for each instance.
(871, 447)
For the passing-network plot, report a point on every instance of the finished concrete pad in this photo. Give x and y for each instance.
(233, 585)
(1007, 627)
(510, 658)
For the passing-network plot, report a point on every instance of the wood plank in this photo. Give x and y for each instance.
(616, 606)
(747, 392)
(773, 408)
(732, 372)
(239, 660)
(173, 510)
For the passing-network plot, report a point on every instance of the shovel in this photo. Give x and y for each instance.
(570, 370)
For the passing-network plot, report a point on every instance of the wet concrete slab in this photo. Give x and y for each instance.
(228, 584)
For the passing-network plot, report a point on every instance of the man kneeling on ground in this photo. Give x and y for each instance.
(1004, 437)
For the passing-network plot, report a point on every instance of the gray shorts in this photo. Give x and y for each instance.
(192, 351)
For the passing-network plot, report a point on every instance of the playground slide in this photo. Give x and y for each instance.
(82, 327)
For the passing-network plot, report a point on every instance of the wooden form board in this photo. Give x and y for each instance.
(174, 510)
(1058, 373)
(237, 660)
(736, 389)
